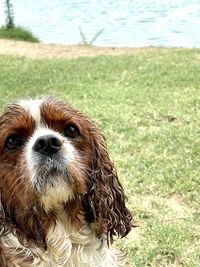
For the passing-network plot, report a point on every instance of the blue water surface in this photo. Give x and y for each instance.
(125, 22)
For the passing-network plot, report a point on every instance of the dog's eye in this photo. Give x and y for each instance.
(71, 131)
(13, 142)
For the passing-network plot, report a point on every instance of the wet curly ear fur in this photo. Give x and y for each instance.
(28, 225)
(106, 196)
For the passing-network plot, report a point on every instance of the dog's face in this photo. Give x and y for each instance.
(52, 157)
(45, 153)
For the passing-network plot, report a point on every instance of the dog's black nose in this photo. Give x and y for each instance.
(47, 145)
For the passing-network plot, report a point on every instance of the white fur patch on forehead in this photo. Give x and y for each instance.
(32, 106)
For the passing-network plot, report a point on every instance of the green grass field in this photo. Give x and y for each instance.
(148, 105)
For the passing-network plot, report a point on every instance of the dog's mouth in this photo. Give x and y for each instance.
(50, 171)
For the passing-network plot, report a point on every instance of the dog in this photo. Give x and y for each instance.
(61, 203)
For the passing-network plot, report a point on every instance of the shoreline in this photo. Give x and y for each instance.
(50, 51)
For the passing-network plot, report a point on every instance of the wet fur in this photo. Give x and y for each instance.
(75, 233)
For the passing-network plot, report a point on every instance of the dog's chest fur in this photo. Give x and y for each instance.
(64, 249)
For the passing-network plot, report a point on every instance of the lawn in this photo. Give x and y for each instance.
(148, 105)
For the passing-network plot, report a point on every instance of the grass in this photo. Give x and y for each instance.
(84, 40)
(149, 107)
(17, 33)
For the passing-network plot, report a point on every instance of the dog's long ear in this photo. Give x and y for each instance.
(3, 227)
(27, 224)
(106, 196)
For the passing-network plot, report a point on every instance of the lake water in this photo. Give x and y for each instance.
(125, 22)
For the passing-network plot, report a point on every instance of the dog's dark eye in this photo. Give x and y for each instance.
(71, 131)
(13, 142)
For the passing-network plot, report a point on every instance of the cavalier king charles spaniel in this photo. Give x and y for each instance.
(61, 203)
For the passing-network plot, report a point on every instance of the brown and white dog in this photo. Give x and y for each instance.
(61, 202)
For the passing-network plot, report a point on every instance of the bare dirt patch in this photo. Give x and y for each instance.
(176, 203)
(38, 50)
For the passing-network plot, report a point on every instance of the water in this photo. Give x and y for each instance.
(125, 22)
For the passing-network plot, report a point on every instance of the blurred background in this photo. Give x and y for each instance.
(172, 23)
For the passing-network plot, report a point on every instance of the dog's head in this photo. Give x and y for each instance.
(53, 159)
